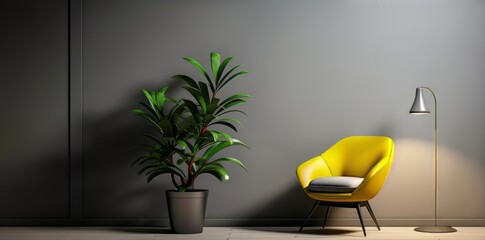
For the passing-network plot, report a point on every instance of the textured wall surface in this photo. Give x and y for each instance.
(320, 71)
(34, 161)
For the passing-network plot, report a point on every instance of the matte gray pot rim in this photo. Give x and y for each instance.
(194, 193)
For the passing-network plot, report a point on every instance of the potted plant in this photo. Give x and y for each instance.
(184, 143)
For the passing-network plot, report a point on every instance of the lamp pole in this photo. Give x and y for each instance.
(419, 107)
(435, 156)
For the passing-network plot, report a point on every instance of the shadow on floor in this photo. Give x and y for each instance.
(147, 230)
(308, 230)
(327, 231)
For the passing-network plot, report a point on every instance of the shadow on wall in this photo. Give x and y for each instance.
(111, 189)
(286, 205)
(39, 173)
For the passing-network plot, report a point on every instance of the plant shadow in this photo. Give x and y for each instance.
(146, 230)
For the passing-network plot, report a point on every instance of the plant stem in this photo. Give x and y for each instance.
(173, 181)
(192, 182)
(173, 175)
(191, 163)
(204, 129)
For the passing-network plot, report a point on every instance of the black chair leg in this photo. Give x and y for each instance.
(372, 215)
(309, 215)
(326, 216)
(360, 218)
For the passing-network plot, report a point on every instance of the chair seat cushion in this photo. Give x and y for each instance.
(340, 184)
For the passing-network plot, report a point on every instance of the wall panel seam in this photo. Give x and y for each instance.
(75, 109)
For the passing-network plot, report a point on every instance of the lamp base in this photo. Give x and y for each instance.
(435, 229)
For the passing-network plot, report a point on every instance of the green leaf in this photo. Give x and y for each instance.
(180, 152)
(182, 143)
(230, 159)
(182, 188)
(188, 124)
(146, 168)
(170, 99)
(199, 66)
(147, 117)
(176, 110)
(235, 110)
(235, 96)
(198, 96)
(149, 109)
(163, 90)
(221, 70)
(162, 170)
(230, 104)
(227, 124)
(160, 97)
(215, 63)
(167, 128)
(239, 142)
(153, 138)
(214, 135)
(191, 146)
(211, 151)
(208, 117)
(148, 97)
(193, 109)
(231, 78)
(226, 136)
(187, 80)
(151, 100)
(205, 93)
(217, 171)
(228, 73)
(211, 108)
(230, 120)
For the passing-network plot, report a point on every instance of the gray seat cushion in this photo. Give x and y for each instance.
(340, 184)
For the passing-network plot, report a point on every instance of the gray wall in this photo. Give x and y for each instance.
(34, 161)
(320, 71)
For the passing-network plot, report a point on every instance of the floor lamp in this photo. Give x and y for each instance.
(420, 108)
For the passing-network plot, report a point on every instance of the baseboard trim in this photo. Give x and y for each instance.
(405, 222)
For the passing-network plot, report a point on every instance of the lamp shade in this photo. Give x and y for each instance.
(419, 105)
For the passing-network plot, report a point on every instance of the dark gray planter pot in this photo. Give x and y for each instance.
(187, 210)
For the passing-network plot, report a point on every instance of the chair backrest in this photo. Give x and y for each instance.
(356, 155)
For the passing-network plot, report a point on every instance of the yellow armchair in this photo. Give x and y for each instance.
(367, 158)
